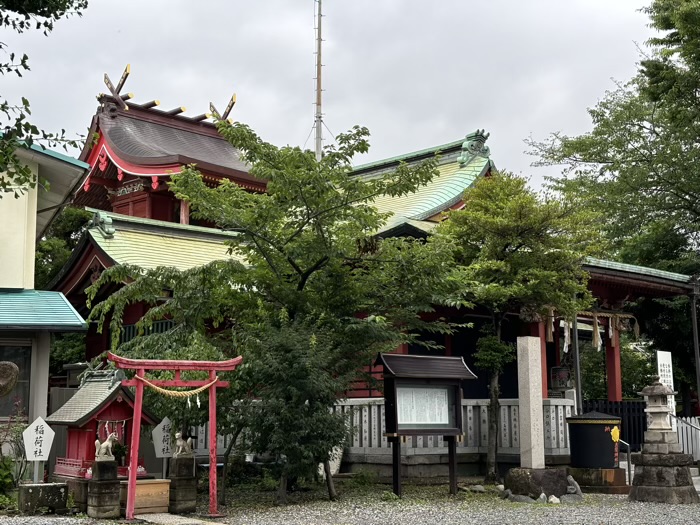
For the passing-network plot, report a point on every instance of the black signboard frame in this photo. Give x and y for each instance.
(424, 373)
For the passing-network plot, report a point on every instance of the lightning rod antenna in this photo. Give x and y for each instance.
(318, 124)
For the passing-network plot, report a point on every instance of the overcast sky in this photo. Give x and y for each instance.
(416, 73)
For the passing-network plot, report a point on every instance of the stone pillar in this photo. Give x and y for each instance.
(530, 396)
(183, 484)
(40, 376)
(661, 473)
(103, 490)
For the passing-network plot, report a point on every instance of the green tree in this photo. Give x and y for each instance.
(637, 363)
(18, 132)
(516, 254)
(54, 250)
(639, 166)
(310, 296)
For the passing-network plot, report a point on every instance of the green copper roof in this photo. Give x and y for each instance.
(461, 163)
(38, 310)
(639, 270)
(149, 243)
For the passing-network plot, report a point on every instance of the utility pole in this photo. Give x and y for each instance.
(319, 115)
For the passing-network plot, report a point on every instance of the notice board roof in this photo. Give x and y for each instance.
(424, 367)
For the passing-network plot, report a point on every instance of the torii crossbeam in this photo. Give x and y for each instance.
(140, 366)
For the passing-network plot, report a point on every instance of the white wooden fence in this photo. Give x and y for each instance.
(688, 429)
(366, 428)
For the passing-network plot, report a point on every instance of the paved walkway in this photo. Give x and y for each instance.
(171, 519)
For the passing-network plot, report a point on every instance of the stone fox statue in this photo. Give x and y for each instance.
(104, 450)
(182, 447)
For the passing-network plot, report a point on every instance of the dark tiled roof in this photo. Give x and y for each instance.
(148, 142)
(419, 366)
(98, 389)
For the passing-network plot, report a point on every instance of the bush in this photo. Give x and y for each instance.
(364, 478)
(7, 479)
(7, 503)
(240, 471)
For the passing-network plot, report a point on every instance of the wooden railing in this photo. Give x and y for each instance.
(366, 428)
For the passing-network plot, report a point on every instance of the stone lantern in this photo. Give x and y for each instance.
(657, 405)
(661, 472)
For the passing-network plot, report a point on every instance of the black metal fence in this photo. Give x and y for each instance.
(634, 420)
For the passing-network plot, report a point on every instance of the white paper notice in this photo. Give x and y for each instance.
(422, 406)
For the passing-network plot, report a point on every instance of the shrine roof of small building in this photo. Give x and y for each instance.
(150, 243)
(98, 388)
(32, 310)
(593, 265)
(424, 367)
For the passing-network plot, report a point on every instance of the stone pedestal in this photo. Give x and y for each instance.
(661, 473)
(533, 482)
(601, 480)
(530, 395)
(37, 495)
(103, 490)
(183, 485)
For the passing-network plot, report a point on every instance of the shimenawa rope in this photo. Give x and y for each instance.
(177, 393)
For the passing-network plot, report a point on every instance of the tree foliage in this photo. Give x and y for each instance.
(308, 297)
(516, 254)
(639, 166)
(637, 364)
(17, 131)
(55, 248)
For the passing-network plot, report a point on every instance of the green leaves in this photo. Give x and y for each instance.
(516, 251)
(17, 133)
(316, 296)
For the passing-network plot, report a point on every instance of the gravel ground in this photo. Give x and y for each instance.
(420, 505)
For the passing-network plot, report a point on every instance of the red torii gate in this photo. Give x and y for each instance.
(141, 365)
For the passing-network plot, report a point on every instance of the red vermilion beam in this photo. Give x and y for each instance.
(174, 383)
(161, 364)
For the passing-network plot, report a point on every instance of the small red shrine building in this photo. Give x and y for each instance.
(99, 407)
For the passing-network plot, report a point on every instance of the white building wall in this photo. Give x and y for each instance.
(17, 238)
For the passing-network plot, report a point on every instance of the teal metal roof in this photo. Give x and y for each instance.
(59, 156)
(639, 270)
(38, 310)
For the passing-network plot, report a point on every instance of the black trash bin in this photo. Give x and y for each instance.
(594, 439)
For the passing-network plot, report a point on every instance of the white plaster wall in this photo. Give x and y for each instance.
(17, 238)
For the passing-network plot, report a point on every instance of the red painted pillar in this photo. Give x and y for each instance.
(213, 495)
(134, 450)
(612, 364)
(448, 345)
